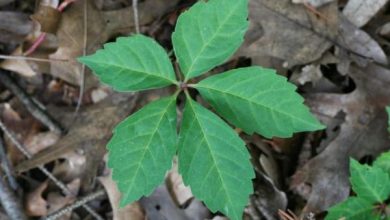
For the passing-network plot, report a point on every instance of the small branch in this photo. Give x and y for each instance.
(77, 204)
(85, 42)
(10, 203)
(10, 57)
(40, 114)
(7, 166)
(57, 182)
(136, 18)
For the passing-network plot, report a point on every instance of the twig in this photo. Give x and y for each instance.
(39, 113)
(136, 19)
(61, 185)
(10, 203)
(76, 205)
(85, 41)
(9, 57)
(7, 166)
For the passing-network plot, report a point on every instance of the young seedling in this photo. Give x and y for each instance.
(213, 160)
(372, 187)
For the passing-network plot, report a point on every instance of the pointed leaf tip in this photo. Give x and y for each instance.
(258, 100)
(133, 63)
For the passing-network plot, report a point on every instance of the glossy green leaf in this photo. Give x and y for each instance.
(353, 209)
(383, 162)
(214, 161)
(142, 147)
(132, 64)
(369, 183)
(208, 34)
(258, 100)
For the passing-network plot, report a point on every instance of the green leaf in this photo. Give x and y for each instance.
(383, 162)
(214, 161)
(208, 34)
(369, 183)
(258, 100)
(132, 64)
(141, 150)
(353, 209)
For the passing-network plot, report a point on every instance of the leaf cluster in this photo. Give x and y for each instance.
(213, 160)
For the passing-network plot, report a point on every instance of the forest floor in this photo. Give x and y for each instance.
(56, 118)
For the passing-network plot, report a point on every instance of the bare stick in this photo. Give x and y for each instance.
(39, 113)
(10, 203)
(85, 41)
(10, 57)
(136, 19)
(76, 205)
(61, 185)
(7, 166)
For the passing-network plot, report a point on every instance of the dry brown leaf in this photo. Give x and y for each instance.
(364, 133)
(20, 66)
(130, 212)
(297, 35)
(88, 134)
(41, 141)
(360, 12)
(102, 26)
(35, 204)
(175, 185)
(290, 31)
(74, 166)
(57, 201)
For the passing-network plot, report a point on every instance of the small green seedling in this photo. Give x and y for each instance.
(213, 160)
(372, 187)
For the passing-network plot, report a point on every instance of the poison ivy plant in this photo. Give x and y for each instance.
(213, 160)
(372, 187)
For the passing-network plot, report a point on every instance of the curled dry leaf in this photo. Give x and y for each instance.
(179, 192)
(21, 66)
(35, 204)
(74, 166)
(360, 12)
(57, 201)
(130, 212)
(41, 141)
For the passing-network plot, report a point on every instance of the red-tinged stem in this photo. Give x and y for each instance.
(36, 44)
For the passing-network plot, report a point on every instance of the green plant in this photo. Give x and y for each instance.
(371, 185)
(213, 160)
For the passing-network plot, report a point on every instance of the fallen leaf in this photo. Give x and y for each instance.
(102, 26)
(40, 141)
(57, 201)
(175, 185)
(360, 12)
(20, 66)
(35, 204)
(290, 31)
(129, 212)
(296, 35)
(364, 133)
